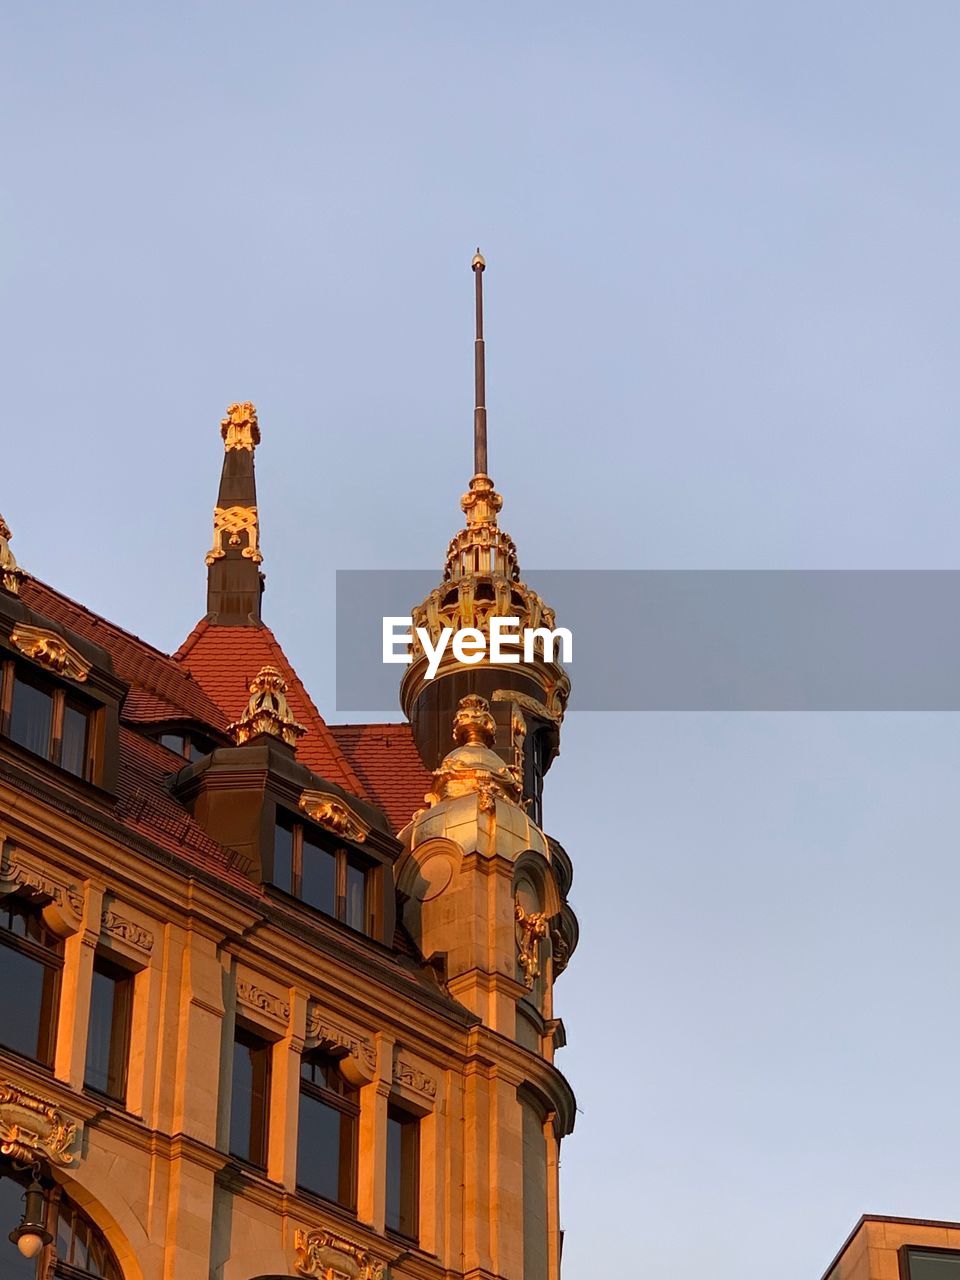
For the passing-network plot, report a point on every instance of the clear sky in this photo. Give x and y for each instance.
(723, 332)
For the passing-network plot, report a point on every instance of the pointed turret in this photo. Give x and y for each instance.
(481, 580)
(234, 580)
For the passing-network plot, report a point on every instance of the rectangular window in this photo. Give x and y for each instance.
(318, 878)
(327, 1134)
(283, 842)
(403, 1172)
(334, 880)
(31, 959)
(355, 896)
(108, 1034)
(250, 1098)
(929, 1264)
(74, 746)
(31, 717)
(51, 722)
(192, 746)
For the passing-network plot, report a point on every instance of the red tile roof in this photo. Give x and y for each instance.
(160, 685)
(207, 681)
(223, 661)
(146, 807)
(387, 762)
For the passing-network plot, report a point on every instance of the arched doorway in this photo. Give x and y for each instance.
(80, 1249)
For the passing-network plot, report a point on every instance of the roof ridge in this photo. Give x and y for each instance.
(179, 654)
(322, 727)
(98, 618)
(135, 660)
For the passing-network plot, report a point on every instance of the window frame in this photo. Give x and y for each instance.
(60, 695)
(344, 856)
(903, 1255)
(192, 743)
(410, 1150)
(347, 1104)
(250, 1038)
(51, 958)
(121, 1029)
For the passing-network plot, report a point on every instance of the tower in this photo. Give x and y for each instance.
(484, 888)
(481, 581)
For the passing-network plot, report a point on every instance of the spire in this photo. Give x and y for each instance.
(479, 375)
(481, 546)
(481, 581)
(234, 580)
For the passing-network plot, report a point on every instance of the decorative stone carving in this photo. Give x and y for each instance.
(532, 928)
(561, 950)
(62, 902)
(331, 812)
(121, 929)
(324, 1032)
(240, 429)
(233, 521)
(267, 711)
(267, 1002)
(11, 575)
(50, 651)
(411, 1077)
(33, 1129)
(533, 705)
(329, 1256)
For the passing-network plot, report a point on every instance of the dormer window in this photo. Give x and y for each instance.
(191, 745)
(49, 720)
(308, 864)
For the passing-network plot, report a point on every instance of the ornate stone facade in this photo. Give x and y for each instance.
(228, 928)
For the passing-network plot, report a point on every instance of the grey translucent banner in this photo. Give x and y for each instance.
(703, 640)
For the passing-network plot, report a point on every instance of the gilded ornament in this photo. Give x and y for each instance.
(11, 575)
(240, 429)
(33, 1129)
(473, 767)
(331, 812)
(267, 711)
(481, 581)
(329, 1256)
(51, 651)
(233, 521)
(532, 928)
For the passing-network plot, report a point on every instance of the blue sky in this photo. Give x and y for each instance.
(722, 328)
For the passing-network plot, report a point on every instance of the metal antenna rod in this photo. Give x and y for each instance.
(479, 375)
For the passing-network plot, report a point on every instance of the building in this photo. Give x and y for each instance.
(880, 1248)
(276, 994)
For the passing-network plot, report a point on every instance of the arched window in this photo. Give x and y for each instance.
(79, 1246)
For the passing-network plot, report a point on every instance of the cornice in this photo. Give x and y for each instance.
(227, 914)
(496, 1052)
